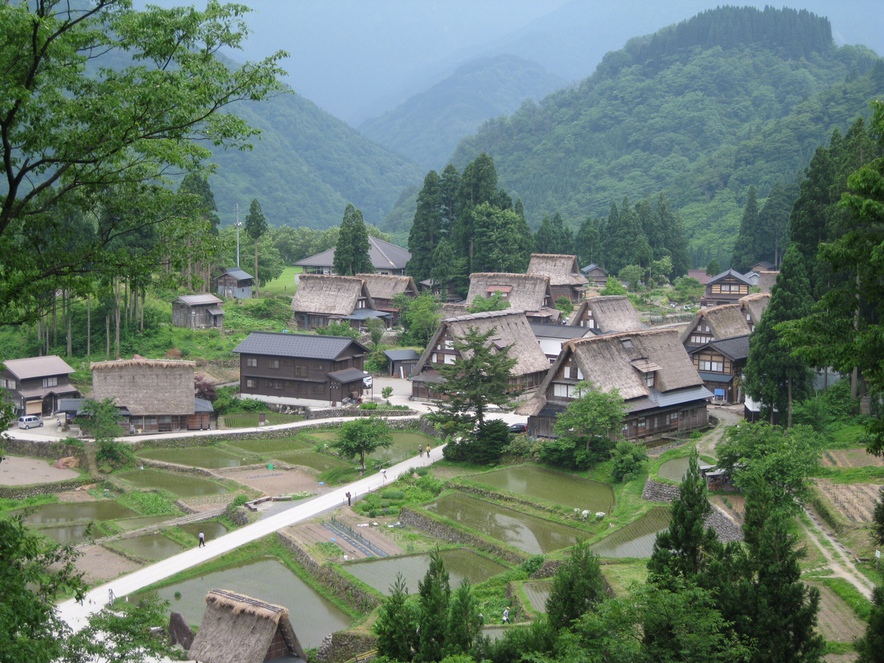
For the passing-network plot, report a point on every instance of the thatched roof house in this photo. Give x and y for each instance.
(154, 395)
(720, 365)
(524, 292)
(511, 331)
(240, 629)
(384, 287)
(607, 314)
(650, 369)
(453, 310)
(753, 307)
(321, 298)
(715, 324)
(565, 277)
(766, 280)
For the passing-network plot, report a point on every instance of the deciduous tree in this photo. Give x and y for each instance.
(362, 436)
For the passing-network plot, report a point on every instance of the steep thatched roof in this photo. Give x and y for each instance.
(560, 268)
(329, 295)
(766, 280)
(387, 286)
(512, 330)
(239, 629)
(612, 313)
(753, 305)
(146, 386)
(524, 292)
(725, 321)
(453, 310)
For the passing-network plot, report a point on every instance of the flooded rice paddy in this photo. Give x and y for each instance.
(211, 528)
(67, 535)
(550, 486)
(183, 486)
(207, 457)
(312, 616)
(150, 547)
(69, 512)
(528, 533)
(675, 469)
(538, 592)
(637, 538)
(460, 563)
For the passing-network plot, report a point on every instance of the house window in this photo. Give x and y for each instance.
(579, 374)
(252, 361)
(250, 383)
(563, 390)
(649, 379)
(450, 359)
(300, 371)
(274, 363)
(7, 384)
(360, 304)
(673, 417)
(700, 338)
(642, 423)
(567, 373)
(712, 366)
(50, 382)
(449, 344)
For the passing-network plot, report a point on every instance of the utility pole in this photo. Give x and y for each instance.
(238, 226)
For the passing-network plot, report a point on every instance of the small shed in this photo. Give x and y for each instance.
(234, 283)
(401, 362)
(198, 312)
(596, 275)
(240, 629)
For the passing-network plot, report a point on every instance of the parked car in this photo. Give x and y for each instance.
(30, 421)
(518, 428)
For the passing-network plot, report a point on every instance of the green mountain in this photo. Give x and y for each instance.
(306, 166)
(700, 111)
(428, 126)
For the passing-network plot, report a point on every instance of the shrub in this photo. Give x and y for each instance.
(368, 406)
(114, 454)
(628, 459)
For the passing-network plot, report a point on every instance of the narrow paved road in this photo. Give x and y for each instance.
(76, 614)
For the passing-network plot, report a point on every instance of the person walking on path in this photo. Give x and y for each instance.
(420, 450)
(384, 473)
(506, 615)
(202, 538)
(428, 451)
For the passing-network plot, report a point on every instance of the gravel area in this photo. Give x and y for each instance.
(23, 471)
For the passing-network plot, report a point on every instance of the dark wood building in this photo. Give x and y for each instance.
(511, 330)
(198, 312)
(725, 288)
(302, 366)
(34, 385)
(596, 276)
(400, 363)
(234, 283)
(565, 277)
(720, 365)
(650, 369)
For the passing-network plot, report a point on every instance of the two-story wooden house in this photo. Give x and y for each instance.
(715, 324)
(301, 366)
(720, 365)
(198, 312)
(511, 330)
(606, 314)
(524, 292)
(34, 385)
(650, 370)
(383, 288)
(565, 277)
(321, 299)
(725, 288)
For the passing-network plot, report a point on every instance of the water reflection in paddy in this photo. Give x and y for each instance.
(529, 533)
(183, 486)
(66, 512)
(557, 487)
(538, 592)
(460, 564)
(637, 538)
(675, 469)
(209, 457)
(268, 580)
(211, 528)
(151, 547)
(66, 535)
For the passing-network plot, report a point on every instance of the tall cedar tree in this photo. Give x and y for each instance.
(553, 236)
(773, 375)
(479, 378)
(625, 241)
(464, 622)
(256, 227)
(396, 625)
(746, 249)
(773, 222)
(434, 594)
(682, 549)
(426, 230)
(478, 185)
(448, 268)
(588, 242)
(351, 251)
(577, 586)
(449, 187)
(502, 240)
(674, 241)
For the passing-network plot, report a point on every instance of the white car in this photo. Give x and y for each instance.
(30, 421)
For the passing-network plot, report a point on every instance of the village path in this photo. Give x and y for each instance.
(76, 614)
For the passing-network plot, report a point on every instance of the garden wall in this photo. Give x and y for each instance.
(344, 645)
(726, 528)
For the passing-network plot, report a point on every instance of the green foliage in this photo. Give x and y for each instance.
(419, 317)
(871, 646)
(434, 595)
(148, 503)
(396, 625)
(687, 290)
(632, 275)
(612, 287)
(586, 431)
(115, 454)
(386, 392)
(627, 460)
(351, 251)
(338, 328)
(552, 236)
(481, 304)
(362, 436)
(484, 446)
(577, 586)
(878, 520)
(100, 420)
(565, 305)
(827, 410)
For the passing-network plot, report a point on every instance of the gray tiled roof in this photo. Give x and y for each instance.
(295, 345)
(383, 255)
(402, 355)
(238, 274)
(736, 347)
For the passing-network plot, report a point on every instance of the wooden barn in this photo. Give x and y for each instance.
(565, 277)
(383, 288)
(511, 330)
(321, 299)
(524, 292)
(596, 276)
(198, 312)
(650, 369)
(234, 283)
(240, 629)
(153, 395)
(606, 314)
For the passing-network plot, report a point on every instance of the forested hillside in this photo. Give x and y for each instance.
(306, 167)
(427, 127)
(701, 111)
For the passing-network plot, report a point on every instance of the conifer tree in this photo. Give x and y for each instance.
(502, 240)
(351, 251)
(588, 242)
(576, 587)
(256, 227)
(773, 223)
(673, 238)
(435, 594)
(871, 646)
(464, 622)
(426, 230)
(553, 236)
(449, 186)
(396, 625)
(746, 250)
(773, 375)
(478, 185)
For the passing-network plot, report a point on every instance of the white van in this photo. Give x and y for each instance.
(30, 421)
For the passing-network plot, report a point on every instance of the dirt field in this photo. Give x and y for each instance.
(277, 481)
(855, 502)
(733, 505)
(836, 620)
(850, 458)
(23, 471)
(99, 564)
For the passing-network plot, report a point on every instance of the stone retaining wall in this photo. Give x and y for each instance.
(343, 588)
(726, 528)
(344, 645)
(44, 448)
(448, 533)
(656, 491)
(356, 412)
(22, 492)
